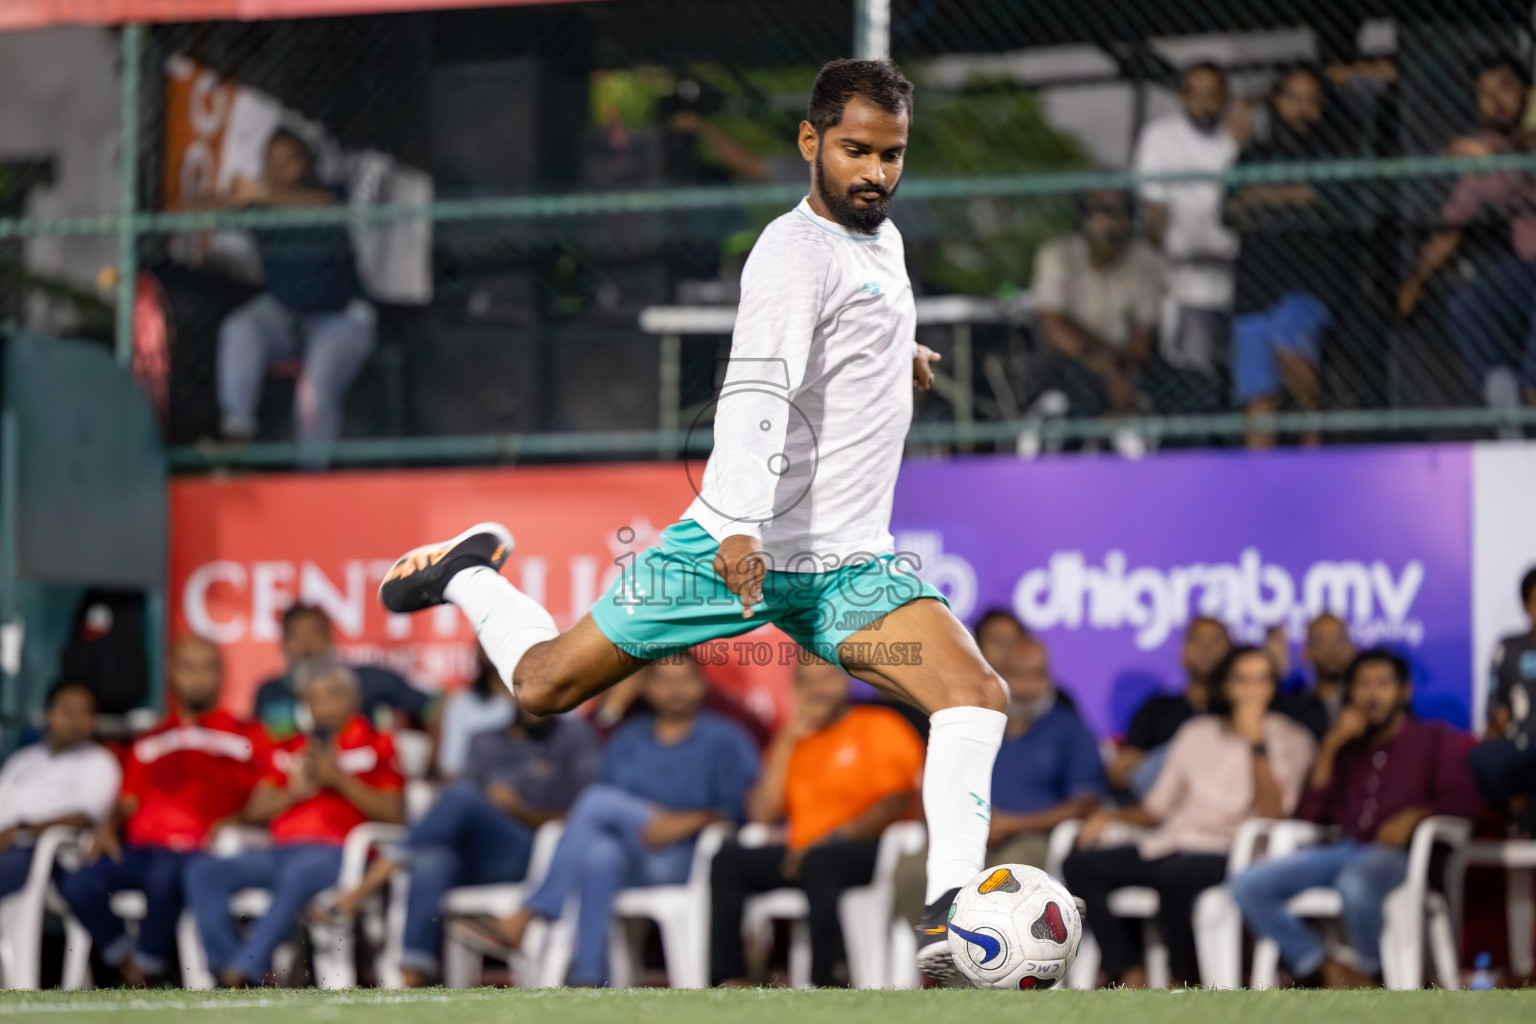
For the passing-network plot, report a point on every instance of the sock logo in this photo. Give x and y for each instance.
(1050, 924)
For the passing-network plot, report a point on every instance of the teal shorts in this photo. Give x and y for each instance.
(670, 599)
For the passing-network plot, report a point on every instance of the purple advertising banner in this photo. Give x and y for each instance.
(1107, 560)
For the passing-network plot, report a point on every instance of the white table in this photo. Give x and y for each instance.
(957, 312)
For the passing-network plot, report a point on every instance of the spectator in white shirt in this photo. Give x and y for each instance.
(64, 779)
(1097, 293)
(1184, 219)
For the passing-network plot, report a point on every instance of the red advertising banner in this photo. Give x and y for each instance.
(25, 14)
(243, 550)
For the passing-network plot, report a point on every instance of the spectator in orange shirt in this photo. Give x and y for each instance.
(320, 788)
(836, 775)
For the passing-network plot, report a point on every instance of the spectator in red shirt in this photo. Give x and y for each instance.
(195, 769)
(321, 787)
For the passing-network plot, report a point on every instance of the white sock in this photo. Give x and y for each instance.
(506, 620)
(957, 793)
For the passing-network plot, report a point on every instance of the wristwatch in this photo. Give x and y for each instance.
(1260, 750)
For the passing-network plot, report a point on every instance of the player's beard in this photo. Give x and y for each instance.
(866, 220)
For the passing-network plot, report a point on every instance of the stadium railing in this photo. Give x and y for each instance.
(539, 278)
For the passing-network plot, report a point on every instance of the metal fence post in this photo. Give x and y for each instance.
(872, 29)
(128, 191)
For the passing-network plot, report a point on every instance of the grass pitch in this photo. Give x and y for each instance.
(767, 1006)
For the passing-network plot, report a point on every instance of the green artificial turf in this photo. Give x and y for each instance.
(762, 1006)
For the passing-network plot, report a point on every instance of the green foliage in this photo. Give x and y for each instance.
(986, 245)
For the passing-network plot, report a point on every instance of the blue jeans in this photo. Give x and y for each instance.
(15, 865)
(1363, 875)
(462, 840)
(293, 874)
(1492, 315)
(153, 870)
(600, 853)
(334, 346)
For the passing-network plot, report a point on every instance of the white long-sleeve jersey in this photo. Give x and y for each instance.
(817, 399)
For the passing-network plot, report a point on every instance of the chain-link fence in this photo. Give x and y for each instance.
(516, 233)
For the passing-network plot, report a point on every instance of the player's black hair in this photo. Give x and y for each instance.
(299, 610)
(1219, 703)
(878, 81)
(1378, 656)
(1502, 62)
(992, 614)
(1203, 65)
(63, 686)
(1528, 585)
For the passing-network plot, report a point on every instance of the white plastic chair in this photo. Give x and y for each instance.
(332, 945)
(681, 913)
(413, 749)
(1135, 902)
(463, 963)
(22, 912)
(1409, 911)
(1518, 859)
(1217, 920)
(878, 948)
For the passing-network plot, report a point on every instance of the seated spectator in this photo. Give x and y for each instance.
(321, 786)
(64, 779)
(1047, 771)
(1328, 653)
(181, 780)
(626, 700)
(308, 637)
(1183, 219)
(1136, 762)
(1504, 764)
(665, 776)
(837, 774)
(480, 830)
(1378, 774)
(1491, 312)
(1240, 761)
(996, 632)
(1097, 292)
(313, 308)
(485, 705)
(1295, 271)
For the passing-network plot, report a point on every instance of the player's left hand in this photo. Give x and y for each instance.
(922, 367)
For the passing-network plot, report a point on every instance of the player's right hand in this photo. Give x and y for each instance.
(742, 564)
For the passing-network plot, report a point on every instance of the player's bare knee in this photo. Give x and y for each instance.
(985, 690)
(537, 689)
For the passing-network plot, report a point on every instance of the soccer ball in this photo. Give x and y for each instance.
(1014, 927)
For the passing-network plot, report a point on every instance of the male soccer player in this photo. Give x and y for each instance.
(792, 520)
